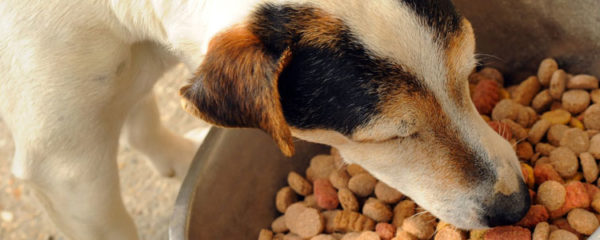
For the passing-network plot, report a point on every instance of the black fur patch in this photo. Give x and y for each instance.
(438, 14)
(337, 87)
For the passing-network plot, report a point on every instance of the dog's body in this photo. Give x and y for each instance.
(363, 76)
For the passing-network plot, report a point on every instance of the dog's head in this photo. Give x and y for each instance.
(383, 81)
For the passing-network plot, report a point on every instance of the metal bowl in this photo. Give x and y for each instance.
(230, 188)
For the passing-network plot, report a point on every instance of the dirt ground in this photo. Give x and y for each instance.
(148, 197)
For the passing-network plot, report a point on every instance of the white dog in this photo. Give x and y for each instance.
(384, 81)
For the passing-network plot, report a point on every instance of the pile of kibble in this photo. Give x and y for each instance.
(552, 120)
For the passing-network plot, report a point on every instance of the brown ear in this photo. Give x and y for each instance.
(236, 86)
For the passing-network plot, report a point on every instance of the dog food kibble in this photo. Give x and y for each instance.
(582, 81)
(557, 116)
(551, 194)
(591, 117)
(564, 161)
(348, 200)
(547, 67)
(552, 121)
(508, 232)
(538, 130)
(589, 167)
(320, 167)
(421, 226)
(387, 194)
(542, 101)
(562, 235)
(541, 231)
(402, 210)
(385, 231)
(377, 210)
(285, 197)
(555, 133)
(486, 95)
(582, 221)
(362, 184)
(299, 184)
(339, 178)
(576, 140)
(325, 194)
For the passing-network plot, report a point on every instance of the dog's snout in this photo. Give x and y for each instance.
(508, 209)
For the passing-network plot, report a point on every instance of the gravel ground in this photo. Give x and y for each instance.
(148, 197)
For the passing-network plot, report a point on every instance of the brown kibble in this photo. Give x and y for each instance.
(351, 236)
(278, 236)
(445, 231)
(385, 231)
(589, 166)
(577, 197)
(403, 235)
(278, 225)
(575, 101)
(323, 237)
(535, 215)
(582, 81)
(368, 235)
(544, 148)
(308, 222)
(517, 130)
(325, 194)
(558, 83)
(562, 235)
(420, 226)
(485, 96)
(502, 129)
(544, 172)
(545, 71)
(299, 184)
(551, 194)
(348, 200)
(355, 169)
(477, 234)
(576, 140)
(541, 231)
(320, 167)
(339, 178)
(595, 96)
(564, 162)
(329, 219)
(583, 221)
(538, 130)
(362, 184)
(492, 73)
(265, 235)
(595, 146)
(387, 194)
(591, 117)
(506, 109)
(524, 150)
(311, 201)
(292, 236)
(284, 198)
(508, 232)
(348, 221)
(596, 205)
(526, 91)
(558, 116)
(555, 133)
(403, 210)
(542, 101)
(377, 210)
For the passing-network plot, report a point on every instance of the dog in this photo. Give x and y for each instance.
(385, 82)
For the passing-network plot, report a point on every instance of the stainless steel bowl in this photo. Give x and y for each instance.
(230, 188)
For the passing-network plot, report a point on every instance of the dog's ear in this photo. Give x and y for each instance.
(236, 86)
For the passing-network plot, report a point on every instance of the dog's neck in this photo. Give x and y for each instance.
(184, 27)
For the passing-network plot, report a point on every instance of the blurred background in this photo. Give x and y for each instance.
(148, 197)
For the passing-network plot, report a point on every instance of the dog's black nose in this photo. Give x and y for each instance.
(508, 209)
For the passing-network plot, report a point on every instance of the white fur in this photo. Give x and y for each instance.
(74, 74)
